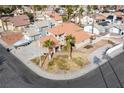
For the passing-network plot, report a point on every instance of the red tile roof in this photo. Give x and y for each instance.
(118, 14)
(55, 16)
(50, 38)
(100, 17)
(80, 36)
(67, 28)
(20, 20)
(70, 29)
(11, 37)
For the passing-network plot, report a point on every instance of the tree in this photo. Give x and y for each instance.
(70, 43)
(81, 10)
(48, 44)
(31, 16)
(64, 18)
(69, 9)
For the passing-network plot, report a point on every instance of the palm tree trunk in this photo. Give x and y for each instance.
(79, 19)
(3, 26)
(44, 60)
(70, 53)
(6, 26)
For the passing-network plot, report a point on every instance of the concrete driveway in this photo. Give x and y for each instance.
(25, 53)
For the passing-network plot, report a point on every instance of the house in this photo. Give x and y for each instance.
(56, 47)
(100, 18)
(11, 37)
(18, 11)
(90, 29)
(61, 31)
(115, 30)
(86, 20)
(15, 22)
(31, 34)
(81, 38)
(111, 18)
(54, 16)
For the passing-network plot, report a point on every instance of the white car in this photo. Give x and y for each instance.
(22, 42)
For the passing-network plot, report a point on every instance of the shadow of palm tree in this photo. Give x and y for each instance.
(2, 59)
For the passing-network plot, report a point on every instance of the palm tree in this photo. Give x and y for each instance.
(48, 44)
(70, 42)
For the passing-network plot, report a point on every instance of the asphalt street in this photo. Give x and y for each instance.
(14, 74)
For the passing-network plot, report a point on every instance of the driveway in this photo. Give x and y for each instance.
(25, 53)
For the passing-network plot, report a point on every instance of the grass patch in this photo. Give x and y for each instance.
(37, 60)
(62, 64)
(78, 61)
(60, 61)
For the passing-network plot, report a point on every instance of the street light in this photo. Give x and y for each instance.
(97, 61)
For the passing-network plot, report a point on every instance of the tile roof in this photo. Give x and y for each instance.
(11, 37)
(67, 28)
(20, 20)
(55, 16)
(100, 17)
(70, 29)
(80, 36)
(118, 14)
(50, 38)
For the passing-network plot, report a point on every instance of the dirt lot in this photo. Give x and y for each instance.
(61, 64)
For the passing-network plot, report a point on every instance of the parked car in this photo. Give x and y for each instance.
(22, 42)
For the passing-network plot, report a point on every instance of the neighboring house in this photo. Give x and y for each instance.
(42, 25)
(31, 34)
(54, 16)
(15, 22)
(90, 29)
(61, 31)
(118, 17)
(18, 12)
(28, 9)
(37, 30)
(100, 18)
(39, 16)
(115, 30)
(11, 37)
(86, 20)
